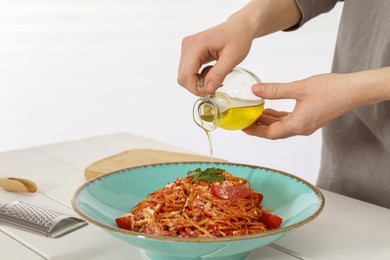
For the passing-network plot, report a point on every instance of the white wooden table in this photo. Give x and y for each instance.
(346, 229)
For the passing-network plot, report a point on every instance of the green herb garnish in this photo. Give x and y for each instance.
(210, 175)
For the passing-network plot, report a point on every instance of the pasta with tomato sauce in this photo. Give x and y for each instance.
(210, 203)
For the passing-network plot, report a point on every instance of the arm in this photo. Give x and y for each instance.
(229, 43)
(319, 100)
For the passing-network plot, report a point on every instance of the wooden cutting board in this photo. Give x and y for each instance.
(138, 157)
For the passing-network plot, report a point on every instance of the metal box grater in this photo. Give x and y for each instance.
(47, 222)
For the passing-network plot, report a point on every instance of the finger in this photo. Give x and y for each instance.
(270, 116)
(274, 113)
(205, 70)
(267, 119)
(276, 90)
(200, 82)
(277, 130)
(189, 65)
(217, 74)
(188, 79)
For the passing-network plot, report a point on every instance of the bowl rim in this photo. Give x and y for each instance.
(271, 232)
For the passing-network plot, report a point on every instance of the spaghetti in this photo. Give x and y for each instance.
(201, 206)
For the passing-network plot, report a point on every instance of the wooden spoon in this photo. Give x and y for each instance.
(17, 184)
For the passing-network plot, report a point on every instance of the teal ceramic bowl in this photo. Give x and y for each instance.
(105, 198)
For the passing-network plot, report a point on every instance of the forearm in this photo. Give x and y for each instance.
(369, 87)
(262, 17)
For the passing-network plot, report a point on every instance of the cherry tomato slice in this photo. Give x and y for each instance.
(271, 221)
(261, 196)
(124, 222)
(229, 192)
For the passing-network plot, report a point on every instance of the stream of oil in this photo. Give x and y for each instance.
(208, 133)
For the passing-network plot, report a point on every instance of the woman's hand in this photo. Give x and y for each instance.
(319, 100)
(227, 43)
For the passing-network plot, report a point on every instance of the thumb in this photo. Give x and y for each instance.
(275, 90)
(216, 75)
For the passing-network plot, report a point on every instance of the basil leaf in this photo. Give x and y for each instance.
(209, 175)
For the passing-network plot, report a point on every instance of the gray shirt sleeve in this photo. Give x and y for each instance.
(311, 9)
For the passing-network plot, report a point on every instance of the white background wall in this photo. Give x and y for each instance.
(76, 68)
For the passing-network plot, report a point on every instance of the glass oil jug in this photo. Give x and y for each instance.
(233, 107)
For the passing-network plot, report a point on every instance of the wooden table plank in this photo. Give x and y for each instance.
(81, 153)
(94, 149)
(49, 174)
(269, 253)
(123, 141)
(11, 249)
(346, 229)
